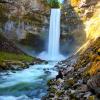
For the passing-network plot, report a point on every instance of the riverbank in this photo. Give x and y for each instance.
(81, 77)
(12, 58)
(14, 61)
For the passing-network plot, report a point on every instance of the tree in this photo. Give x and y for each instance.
(54, 3)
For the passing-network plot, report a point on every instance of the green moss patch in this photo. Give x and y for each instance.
(13, 56)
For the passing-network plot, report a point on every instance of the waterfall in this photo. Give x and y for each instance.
(53, 52)
(54, 33)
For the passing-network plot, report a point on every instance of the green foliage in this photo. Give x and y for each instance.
(13, 56)
(54, 3)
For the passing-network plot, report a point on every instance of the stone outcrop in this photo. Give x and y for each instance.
(8, 46)
(81, 77)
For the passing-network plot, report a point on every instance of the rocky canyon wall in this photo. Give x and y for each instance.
(22, 19)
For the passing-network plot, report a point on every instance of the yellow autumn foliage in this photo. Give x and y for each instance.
(74, 2)
(93, 30)
(92, 26)
(95, 68)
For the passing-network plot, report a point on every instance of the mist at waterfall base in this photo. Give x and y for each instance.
(53, 53)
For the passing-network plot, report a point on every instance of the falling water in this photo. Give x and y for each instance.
(54, 33)
(53, 52)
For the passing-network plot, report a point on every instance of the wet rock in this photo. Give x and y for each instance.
(73, 97)
(60, 98)
(51, 82)
(79, 95)
(94, 82)
(97, 91)
(70, 81)
(87, 95)
(60, 81)
(60, 74)
(59, 93)
(53, 89)
(66, 86)
(43, 97)
(66, 97)
(47, 72)
(51, 95)
(81, 70)
(38, 61)
(72, 91)
(79, 82)
(10, 62)
(69, 69)
(83, 88)
(14, 67)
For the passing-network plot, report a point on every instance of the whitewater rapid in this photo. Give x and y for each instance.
(27, 84)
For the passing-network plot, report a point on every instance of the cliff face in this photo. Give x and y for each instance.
(8, 46)
(22, 16)
(79, 21)
(88, 12)
(89, 56)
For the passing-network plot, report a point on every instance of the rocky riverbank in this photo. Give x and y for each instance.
(18, 65)
(81, 77)
(11, 58)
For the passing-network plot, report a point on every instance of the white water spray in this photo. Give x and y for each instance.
(54, 33)
(53, 52)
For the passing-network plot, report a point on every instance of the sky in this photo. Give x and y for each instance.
(61, 1)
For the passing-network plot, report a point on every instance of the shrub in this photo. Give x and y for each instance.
(54, 3)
